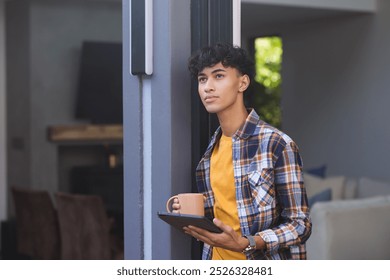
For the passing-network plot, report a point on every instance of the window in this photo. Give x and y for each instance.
(267, 85)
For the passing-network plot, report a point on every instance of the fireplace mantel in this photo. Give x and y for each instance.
(85, 133)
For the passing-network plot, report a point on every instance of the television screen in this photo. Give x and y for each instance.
(99, 96)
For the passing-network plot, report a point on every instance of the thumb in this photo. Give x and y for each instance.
(221, 225)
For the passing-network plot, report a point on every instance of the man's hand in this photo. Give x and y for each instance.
(228, 239)
(176, 206)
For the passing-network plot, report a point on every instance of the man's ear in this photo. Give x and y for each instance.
(244, 84)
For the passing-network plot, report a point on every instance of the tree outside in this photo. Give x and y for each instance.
(267, 86)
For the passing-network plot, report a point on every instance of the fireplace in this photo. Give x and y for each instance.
(90, 162)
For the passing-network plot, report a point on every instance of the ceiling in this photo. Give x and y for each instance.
(253, 15)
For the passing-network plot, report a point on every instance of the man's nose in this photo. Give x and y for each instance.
(209, 86)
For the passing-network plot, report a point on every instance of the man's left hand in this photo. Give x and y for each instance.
(228, 239)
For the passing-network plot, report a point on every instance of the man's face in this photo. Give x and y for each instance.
(220, 88)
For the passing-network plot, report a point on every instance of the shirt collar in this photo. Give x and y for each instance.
(248, 128)
(245, 131)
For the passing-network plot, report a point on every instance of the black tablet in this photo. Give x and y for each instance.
(182, 220)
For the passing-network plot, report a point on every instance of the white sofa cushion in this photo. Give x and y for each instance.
(315, 185)
(351, 204)
(350, 229)
(325, 195)
(350, 188)
(369, 188)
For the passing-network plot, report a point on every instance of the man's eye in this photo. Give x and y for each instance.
(219, 76)
(201, 80)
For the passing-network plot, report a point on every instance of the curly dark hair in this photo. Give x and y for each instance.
(228, 54)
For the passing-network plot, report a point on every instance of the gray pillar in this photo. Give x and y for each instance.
(157, 131)
(3, 128)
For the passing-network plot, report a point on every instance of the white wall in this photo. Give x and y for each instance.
(336, 91)
(58, 30)
(49, 35)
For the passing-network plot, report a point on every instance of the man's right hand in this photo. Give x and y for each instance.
(176, 206)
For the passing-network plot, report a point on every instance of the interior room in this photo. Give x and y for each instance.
(64, 105)
(333, 95)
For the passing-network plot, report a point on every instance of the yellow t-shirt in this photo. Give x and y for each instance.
(222, 184)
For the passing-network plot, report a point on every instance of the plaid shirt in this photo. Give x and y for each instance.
(271, 198)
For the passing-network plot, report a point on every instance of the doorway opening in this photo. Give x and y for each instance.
(265, 95)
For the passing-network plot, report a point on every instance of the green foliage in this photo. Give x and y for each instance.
(268, 59)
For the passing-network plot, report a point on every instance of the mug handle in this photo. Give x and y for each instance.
(168, 206)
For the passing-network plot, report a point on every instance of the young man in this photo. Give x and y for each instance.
(251, 173)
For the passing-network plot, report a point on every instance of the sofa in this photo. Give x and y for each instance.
(350, 217)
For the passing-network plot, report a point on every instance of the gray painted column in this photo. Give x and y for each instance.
(157, 131)
(3, 120)
(132, 150)
(171, 120)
